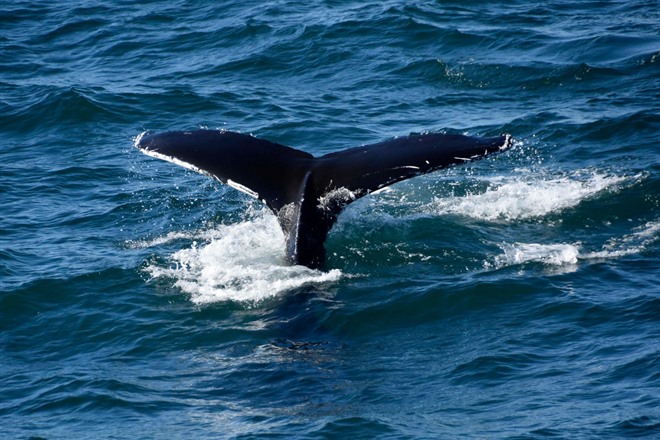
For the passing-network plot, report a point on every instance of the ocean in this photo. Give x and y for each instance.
(515, 297)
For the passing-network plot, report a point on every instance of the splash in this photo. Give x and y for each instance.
(172, 236)
(527, 198)
(241, 262)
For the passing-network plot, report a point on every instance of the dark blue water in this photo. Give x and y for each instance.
(516, 297)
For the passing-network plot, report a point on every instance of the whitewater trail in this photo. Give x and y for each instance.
(244, 262)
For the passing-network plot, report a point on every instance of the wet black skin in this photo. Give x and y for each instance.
(307, 193)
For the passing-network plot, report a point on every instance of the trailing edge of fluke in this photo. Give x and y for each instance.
(307, 193)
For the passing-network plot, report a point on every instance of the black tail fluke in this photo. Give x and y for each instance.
(307, 193)
(258, 167)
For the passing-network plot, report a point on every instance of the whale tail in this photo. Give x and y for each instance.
(307, 193)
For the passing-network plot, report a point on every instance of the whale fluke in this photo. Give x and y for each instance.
(307, 193)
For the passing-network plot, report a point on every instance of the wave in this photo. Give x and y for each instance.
(57, 106)
(636, 242)
(244, 262)
(600, 50)
(550, 254)
(639, 240)
(512, 198)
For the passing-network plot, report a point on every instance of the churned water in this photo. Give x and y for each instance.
(515, 297)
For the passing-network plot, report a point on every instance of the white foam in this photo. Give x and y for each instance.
(634, 243)
(170, 237)
(526, 196)
(549, 254)
(242, 262)
(570, 254)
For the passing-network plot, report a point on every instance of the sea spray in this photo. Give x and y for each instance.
(241, 262)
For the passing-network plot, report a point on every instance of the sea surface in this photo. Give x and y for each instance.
(514, 297)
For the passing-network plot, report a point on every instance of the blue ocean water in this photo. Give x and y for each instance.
(515, 297)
